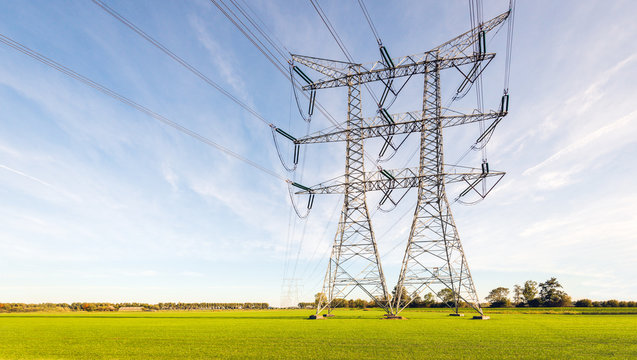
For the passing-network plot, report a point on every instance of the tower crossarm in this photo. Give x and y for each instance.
(382, 180)
(427, 64)
(402, 123)
(333, 69)
(450, 49)
(462, 43)
(450, 54)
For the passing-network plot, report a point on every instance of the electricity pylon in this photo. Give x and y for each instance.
(434, 257)
(290, 292)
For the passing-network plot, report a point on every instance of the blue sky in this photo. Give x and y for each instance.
(100, 202)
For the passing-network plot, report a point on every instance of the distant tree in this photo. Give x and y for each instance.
(584, 303)
(517, 295)
(319, 297)
(611, 303)
(404, 295)
(499, 297)
(446, 297)
(552, 296)
(429, 300)
(529, 291)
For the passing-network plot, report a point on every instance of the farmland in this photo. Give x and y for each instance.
(352, 334)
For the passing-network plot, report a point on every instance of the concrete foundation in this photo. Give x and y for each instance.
(454, 314)
(394, 317)
(314, 317)
(481, 317)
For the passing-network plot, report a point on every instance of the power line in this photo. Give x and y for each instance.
(178, 59)
(370, 22)
(101, 88)
(253, 39)
(332, 30)
(339, 42)
(511, 23)
(244, 29)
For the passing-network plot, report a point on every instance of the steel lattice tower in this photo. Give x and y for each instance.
(434, 258)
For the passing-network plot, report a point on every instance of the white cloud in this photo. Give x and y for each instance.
(222, 59)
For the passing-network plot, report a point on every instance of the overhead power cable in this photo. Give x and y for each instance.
(250, 35)
(332, 30)
(370, 22)
(278, 63)
(511, 23)
(339, 42)
(178, 59)
(101, 88)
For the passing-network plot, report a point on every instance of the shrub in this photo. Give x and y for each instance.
(535, 302)
(501, 303)
(584, 303)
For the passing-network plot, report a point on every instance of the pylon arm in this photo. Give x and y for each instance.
(403, 123)
(331, 68)
(398, 179)
(450, 49)
(461, 43)
(429, 64)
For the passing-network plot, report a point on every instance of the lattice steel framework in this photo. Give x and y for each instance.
(434, 258)
(354, 261)
(434, 254)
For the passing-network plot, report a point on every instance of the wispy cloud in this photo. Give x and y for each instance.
(42, 182)
(221, 58)
(561, 168)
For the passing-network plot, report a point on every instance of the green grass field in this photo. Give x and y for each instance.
(287, 334)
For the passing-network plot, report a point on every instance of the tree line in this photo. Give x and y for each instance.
(530, 294)
(84, 306)
(546, 294)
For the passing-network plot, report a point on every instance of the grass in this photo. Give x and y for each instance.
(287, 334)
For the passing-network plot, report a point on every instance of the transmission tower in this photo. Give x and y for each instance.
(290, 290)
(434, 258)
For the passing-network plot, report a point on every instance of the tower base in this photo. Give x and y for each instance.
(456, 314)
(316, 317)
(394, 317)
(481, 317)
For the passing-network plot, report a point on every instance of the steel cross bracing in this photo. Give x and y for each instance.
(400, 179)
(434, 258)
(354, 262)
(402, 123)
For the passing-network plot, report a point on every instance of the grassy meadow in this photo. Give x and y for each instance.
(351, 334)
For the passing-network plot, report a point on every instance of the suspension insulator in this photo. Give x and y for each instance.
(310, 200)
(385, 115)
(286, 134)
(482, 44)
(310, 109)
(485, 167)
(504, 103)
(301, 187)
(386, 58)
(302, 75)
(297, 150)
(387, 174)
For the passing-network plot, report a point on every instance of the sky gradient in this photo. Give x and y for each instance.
(99, 202)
